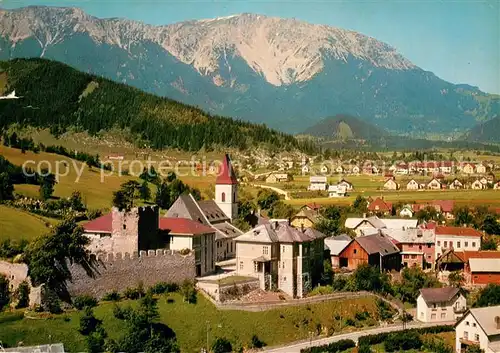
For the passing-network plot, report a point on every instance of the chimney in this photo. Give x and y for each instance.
(497, 322)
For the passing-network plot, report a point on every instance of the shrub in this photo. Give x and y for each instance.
(221, 345)
(83, 301)
(113, 296)
(361, 315)
(333, 347)
(134, 293)
(403, 341)
(255, 342)
(88, 322)
(349, 322)
(4, 291)
(22, 295)
(364, 349)
(164, 287)
(188, 291)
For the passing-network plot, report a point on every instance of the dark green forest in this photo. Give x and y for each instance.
(58, 97)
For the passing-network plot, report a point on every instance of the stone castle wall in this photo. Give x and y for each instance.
(120, 271)
(16, 274)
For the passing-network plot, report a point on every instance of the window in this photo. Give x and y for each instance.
(420, 247)
(466, 335)
(467, 323)
(429, 246)
(355, 251)
(414, 257)
(223, 197)
(283, 248)
(283, 265)
(265, 250)
(445, 244)
(433, 316)
(443, 315)
(284, 279)
(473, 244)
(255, 266)
(241, 265)
(124, 226)
(429, 256)
(466, 244)
(473, 324)
(410, 246)
(406, 256)
(476, 337)
(458, 244)
(439, 242)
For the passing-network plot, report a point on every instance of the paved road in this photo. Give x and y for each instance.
(296, 347)
(279, 191)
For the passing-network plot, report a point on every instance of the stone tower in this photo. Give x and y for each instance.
(226, 189)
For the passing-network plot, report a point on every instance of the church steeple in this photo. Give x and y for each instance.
(226, 189)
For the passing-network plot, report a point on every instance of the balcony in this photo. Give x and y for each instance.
(459, 310)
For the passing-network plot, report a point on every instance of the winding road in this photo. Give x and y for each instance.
(297, 346)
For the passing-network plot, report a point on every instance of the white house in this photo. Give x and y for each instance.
(324, 169)
(340, 169)
(440, 304)
(434, 184)
(355, 170)
(481, 327)
(480, 169)
(496, 186)
(477, 185)
(317, 183)
(406, 211)
(305, 169)
(347, 185)
(337, 190)
(456, 184)
(412, 185)
(390, 184)
(457, 238)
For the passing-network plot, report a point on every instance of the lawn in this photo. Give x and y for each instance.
(190, 322)
(17, 225)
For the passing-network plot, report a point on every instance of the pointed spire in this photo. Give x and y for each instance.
(226, 175)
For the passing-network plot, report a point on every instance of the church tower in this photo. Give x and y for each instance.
(226, 189)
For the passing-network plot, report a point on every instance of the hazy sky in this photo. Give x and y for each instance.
(457, 40)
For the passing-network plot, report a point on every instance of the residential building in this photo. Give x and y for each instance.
(305, 169)
(406, 211)
(183, 233)
(336, 245)
(444, 207)
(434, 184)
(484, 181)
(412, 185)
(337, 190)
(380, 206)
(324, 169)
(481, 267)
(477, 185)
(313, 206)
(317, 183)
(305, 219)
(348, 185)
(340, 169)
(479, 326)
(274, 178)
(281, 257)
(390, 184)
(401, 169)
(416, 246)
(458, 238)
(355, 170)
(371, 225)
(445, 304)
(496, 185)
(468, 168)
(480, 169)
(446, 167)
(376, 250)
(456, 184)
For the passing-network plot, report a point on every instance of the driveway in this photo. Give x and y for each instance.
(296, 347)
(279, 191)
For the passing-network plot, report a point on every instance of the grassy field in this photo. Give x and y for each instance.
(17, 225)
(190, 321)
(447, 337)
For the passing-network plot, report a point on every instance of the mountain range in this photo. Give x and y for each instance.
(285, 73)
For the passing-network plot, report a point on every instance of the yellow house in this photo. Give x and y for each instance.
(304, 219)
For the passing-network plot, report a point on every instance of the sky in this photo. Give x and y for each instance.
(457, 40)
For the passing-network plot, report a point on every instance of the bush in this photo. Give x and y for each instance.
(361, 315)
(134, 293)
(255, 342)
(221, 345)
(22, 295)
(4, 291)
(364, 349)
(188, 291)
(83, 301)
(381, 337)
(403, 341)
(164, 287)
(349, 322)
(113, 296)
(333, 347)
(88, 322)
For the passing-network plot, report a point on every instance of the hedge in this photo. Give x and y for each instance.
(333, 347)
(381, 337)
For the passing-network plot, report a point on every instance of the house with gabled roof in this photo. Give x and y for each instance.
(380, 206)
(479, 327)
(480, 168)
(468, 168)
(456, 184)
(445, 304)
(335, 245)
(434, 184)
(477, 185)
(416, 245)
(496, 185)
(348, 185)
(305, 219)
(376, 250)
(324, 169)
(390, 184)
(458, 238)
(281, 257)
(412, 185)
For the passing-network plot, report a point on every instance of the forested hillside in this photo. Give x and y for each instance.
(57, 96)
(488, 132)
(345, 127)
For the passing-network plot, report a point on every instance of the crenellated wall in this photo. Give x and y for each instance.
(16, 273)
(119, 271)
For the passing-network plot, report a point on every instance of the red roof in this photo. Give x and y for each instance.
(466, 255)
(446, 205)
(184, 226)
(226, 174)
(382, 205)
(314, 206)
(458, 231)
(102, 224)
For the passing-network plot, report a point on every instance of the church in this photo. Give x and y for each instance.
(201, 226)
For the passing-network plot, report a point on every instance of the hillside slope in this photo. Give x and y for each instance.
(57, 96)
(345, 127)
(283, 72)
(488, 132)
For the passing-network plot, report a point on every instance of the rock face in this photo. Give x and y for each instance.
(286, 73)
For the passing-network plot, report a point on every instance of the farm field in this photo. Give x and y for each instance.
(17, 225)
(190, 321)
